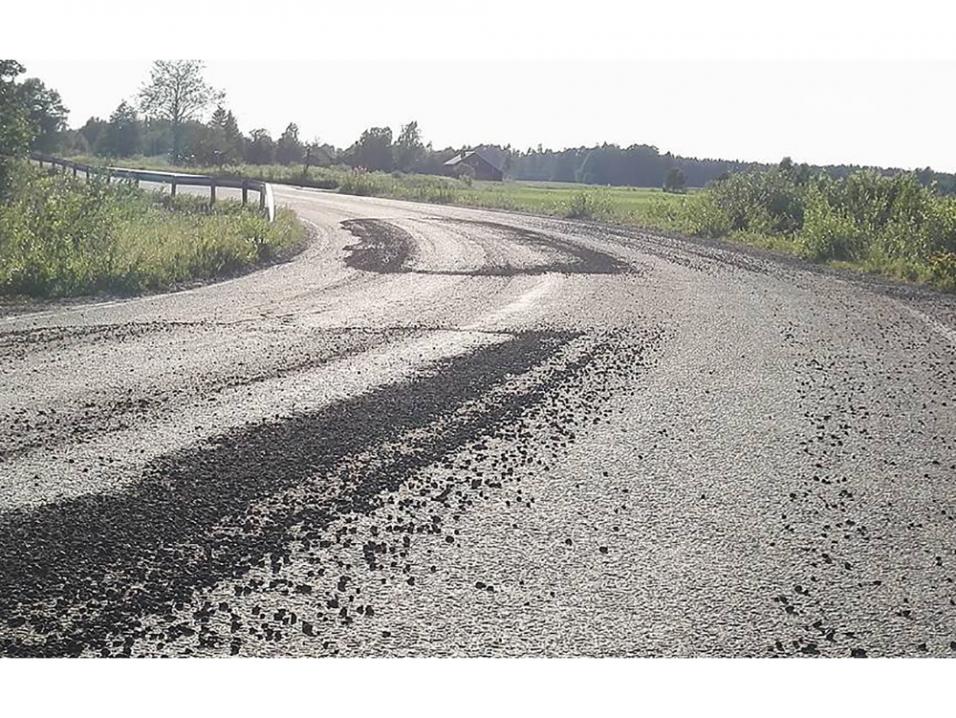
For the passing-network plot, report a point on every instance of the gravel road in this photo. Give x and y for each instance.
(451, 432)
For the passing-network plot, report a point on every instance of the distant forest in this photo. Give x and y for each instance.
(646, 166)
(153, 126)
(219, 142)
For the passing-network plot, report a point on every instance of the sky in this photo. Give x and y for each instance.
(822, 82)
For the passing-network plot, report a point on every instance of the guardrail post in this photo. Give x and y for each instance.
(245, 192)
(262, 198)
(74, 170)
(212, 192)
(172, 188)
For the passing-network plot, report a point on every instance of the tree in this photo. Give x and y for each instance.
(373, 150)
(260, 149)
(315, 154)
(409, 147)
(289, 149)
(177, 92)
(157, 137)
(16, 130)
(73, 142)
(675, 180)
(121, 136)
(92, 131)
(46, 112)
(227, 141)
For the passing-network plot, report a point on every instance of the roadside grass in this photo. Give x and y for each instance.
(60, 236)
(884, 226)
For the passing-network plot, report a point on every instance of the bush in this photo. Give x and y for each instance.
(892, 225)
(588, 204)
(701, 216)
(942, 270)
(769, 202)
(829, 232)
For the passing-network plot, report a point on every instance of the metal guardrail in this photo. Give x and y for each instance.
(173, 179)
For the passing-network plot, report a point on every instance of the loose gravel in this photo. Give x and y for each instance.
(451, 432)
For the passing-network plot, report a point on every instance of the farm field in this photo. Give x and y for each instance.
(647, 206)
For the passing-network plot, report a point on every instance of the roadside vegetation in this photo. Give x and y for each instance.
(634, 205)
(61, 236)
(894, 226)
(879, 220)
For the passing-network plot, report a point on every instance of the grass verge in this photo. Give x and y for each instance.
(61, 237)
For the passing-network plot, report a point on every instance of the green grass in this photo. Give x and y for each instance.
(883, 226)
(618, 204)
(629, 205)
(65, 237)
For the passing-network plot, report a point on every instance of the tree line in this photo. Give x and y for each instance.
(32, 115)
(177, 114)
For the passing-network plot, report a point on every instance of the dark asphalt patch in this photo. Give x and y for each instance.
(382, 247)
(77, 571)
(385, 248)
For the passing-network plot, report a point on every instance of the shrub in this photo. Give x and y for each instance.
(588, 204)
(942, 270)
(769, 202)
(829, 232)
(701, 216)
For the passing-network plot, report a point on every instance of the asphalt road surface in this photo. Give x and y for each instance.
(451, 432)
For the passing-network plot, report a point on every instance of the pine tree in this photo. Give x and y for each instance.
(121, 136)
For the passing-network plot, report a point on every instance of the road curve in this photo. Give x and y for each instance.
(444, 432)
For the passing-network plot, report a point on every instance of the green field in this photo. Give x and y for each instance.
(632, 205)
